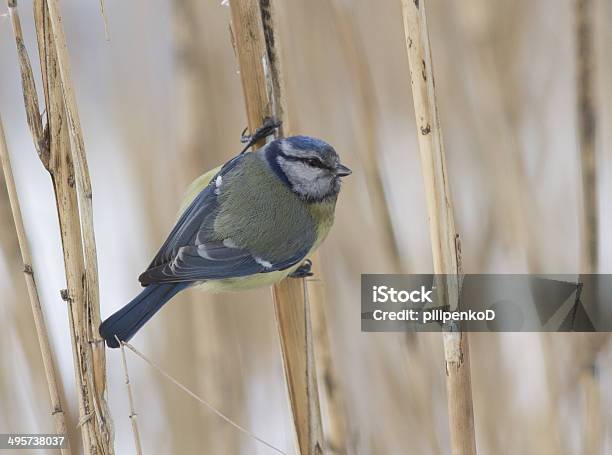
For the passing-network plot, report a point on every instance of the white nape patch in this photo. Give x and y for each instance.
(229, 243)
(288, 149)
(263, 262)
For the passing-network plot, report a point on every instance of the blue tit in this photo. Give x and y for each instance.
(246, 224)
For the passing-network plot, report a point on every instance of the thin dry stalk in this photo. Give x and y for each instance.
(369, 150)
(444, 239)
(57, 411)
(587, 135)
(257, 47)
(513, 205)
(104, 19)
(338, 437)
(27, 81)
(593, 434)
(54, 148)
(133, 414)
(189, 392)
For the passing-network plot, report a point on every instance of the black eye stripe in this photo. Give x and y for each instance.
(314, 162)
(310, 161)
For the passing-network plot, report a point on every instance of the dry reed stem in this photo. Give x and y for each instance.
(104, 19)
(587, 135)
(587, 125)
(92, 293)
(338, 438)
(95, 364)
(81, 274)
(593, 435)
(57, 411)
(133, 414)
(484, 67)
(257, 46)
(444, 240)
(27, 81)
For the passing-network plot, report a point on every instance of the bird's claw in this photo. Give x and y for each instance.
(303, 270)
(269, 126)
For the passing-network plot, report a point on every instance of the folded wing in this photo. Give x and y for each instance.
(189, 254)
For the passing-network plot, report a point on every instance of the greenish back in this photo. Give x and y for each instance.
(258, 212)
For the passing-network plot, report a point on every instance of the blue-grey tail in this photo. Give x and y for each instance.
(128, 320)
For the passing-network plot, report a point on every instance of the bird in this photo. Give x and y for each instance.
(246, 224)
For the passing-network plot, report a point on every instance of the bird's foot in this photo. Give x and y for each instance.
(269, 126)
(303, 270)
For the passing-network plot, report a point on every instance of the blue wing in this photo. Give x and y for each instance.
(189, 255)
(211, 261)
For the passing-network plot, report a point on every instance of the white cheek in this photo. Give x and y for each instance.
(306, 180)
(307, 173)
(304, 173)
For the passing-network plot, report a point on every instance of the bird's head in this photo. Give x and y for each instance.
(309, 166)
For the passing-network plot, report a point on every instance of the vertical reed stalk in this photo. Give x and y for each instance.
(592, 442)
(338, 438)
(368, 147)
(257, 46)
(587, 135)
(79, 157)
(587, 130)
(57, 412)
(67, 165)
(444, 239)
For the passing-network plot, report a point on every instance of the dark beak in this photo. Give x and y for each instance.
(342, 171)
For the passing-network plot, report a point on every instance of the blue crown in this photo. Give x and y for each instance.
(307, 143)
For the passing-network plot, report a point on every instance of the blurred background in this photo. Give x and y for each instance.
(161, 102)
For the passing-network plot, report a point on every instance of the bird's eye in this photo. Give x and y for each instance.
(314, 162)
